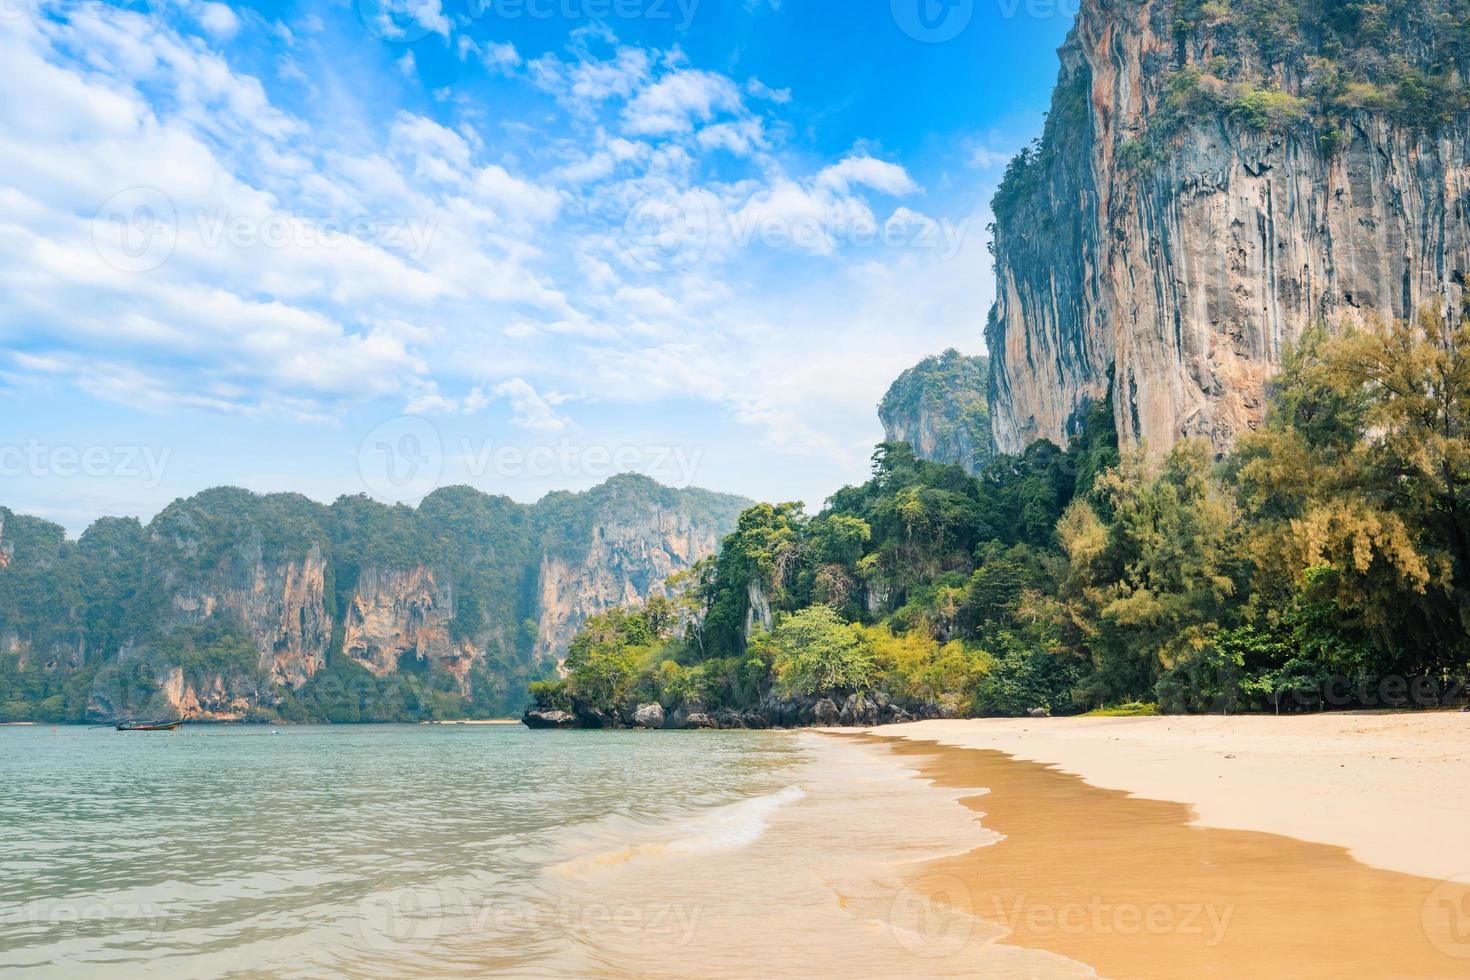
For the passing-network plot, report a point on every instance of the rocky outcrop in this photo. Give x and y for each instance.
(219, 698)
(1192, 208)
(548, 718)
(940, 408)
(649, 716)
(220, 693)
(632, 537)
(757, 608)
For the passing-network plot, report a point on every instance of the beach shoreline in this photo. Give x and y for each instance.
(1322, 845)
(1393, 788)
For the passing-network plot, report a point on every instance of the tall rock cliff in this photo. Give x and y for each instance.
(232, 605)
(615, 545)
(939, 406)
(1214, 178)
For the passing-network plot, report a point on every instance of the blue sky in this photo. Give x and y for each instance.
(386, 245)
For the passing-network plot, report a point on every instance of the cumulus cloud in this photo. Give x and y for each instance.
(407, 255)
(219, 20)
(865, 171)
(677, 100)
(530, 409)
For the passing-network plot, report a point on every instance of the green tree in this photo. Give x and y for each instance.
(816, 652)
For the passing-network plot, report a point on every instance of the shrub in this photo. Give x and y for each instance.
(551, 694)
(817, 652)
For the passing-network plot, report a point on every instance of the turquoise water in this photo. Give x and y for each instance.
(371, 851)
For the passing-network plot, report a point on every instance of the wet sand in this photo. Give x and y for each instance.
(1392, 787)
(1134, 888)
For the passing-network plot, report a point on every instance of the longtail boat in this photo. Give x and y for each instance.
(149, 726)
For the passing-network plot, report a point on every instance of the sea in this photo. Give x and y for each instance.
(477, 850)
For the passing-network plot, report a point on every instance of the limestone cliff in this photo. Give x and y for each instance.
(223, 555)
(938, 406)
(406, 613)
(232, 605)
(632, 536)
(1212, 180)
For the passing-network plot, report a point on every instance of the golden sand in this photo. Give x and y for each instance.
(1130, 887)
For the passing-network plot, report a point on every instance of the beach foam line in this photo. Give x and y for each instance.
(724, 827)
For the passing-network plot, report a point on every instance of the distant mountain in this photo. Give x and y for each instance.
(939, 406)
(231, 605)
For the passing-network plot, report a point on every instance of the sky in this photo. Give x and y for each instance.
(381, 246)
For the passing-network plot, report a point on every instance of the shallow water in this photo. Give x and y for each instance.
(469, 850)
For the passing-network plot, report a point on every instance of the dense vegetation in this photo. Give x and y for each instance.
(91, 628)
(1325, 562)
(948, 396)
(1405, 58)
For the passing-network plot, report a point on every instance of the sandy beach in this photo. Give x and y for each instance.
(1325, 845)
(1392, 788)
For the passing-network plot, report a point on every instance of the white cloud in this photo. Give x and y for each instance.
(531, 410)
(880, 175)
(496, 185)
(219, 20)
(677, 100)
(475, 401)
(740, 138)
(500, 57)
(760, 90)
(990, 158)
(405, 20)
(583, 85)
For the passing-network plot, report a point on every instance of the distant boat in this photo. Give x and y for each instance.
(149, 726)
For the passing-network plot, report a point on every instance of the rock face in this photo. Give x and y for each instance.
(630, 536)
(229, 601)
(1203, 192)
(649, 716)
(939, 406)
(280, 602)
(548, 718)
(397, 613)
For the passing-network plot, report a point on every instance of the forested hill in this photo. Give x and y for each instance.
(1324, 562)
(232, 605)
(940, 407)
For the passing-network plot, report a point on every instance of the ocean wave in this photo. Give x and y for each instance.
(724, 827)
